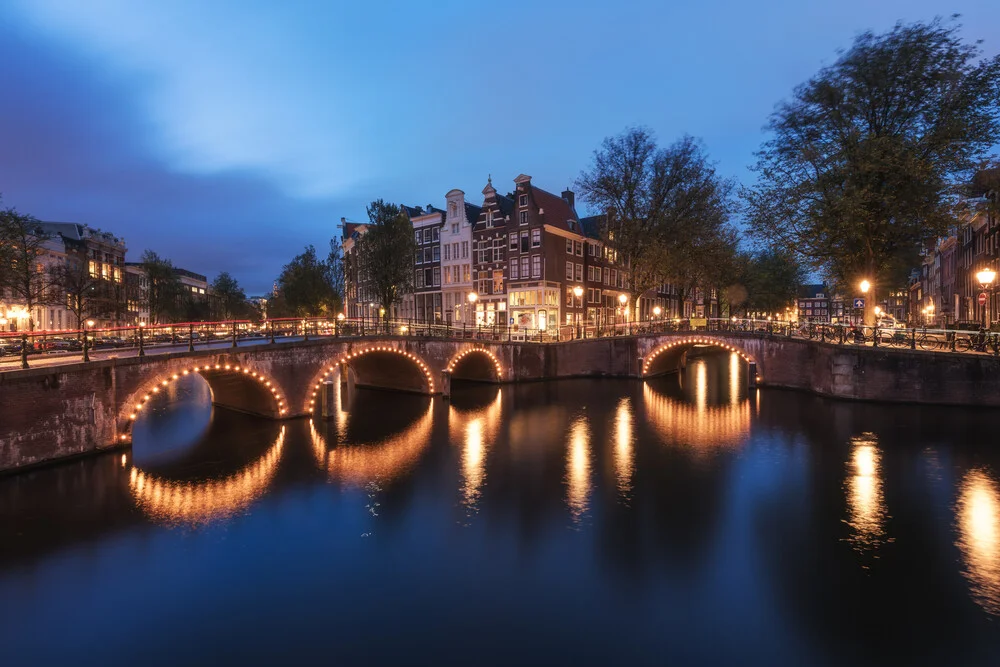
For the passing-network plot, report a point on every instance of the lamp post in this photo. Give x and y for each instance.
(656, 313)
(472, 298)
(142, 348)
(986, 278)
(865, 286)
(578, 293)
(86, 340)
(340, 323)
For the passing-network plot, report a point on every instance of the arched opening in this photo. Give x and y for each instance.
(379, 367)
(673, 356)
(476, 365)
(233, 387)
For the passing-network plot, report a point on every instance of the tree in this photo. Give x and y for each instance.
(229, 296)
(305, 288)
(862, 169)
(23, 239)
(83, 291)
(385, 254)
(767, 281)
(163, 291)
(667, 210)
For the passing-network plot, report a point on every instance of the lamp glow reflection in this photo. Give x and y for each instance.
(978, 519)
(624, 454)
(866, 509)
(476, 430)
(578, 469)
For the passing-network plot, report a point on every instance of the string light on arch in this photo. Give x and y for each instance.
(695, 340)
(166, 379)
(471, 350)
(310, 404)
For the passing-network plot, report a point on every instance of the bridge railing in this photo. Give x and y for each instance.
(17, 348)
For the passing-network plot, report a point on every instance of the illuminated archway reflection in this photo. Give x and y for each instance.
(978, 519)
(866, 510)
(578, 469)
(202, 501)
(476, 431)
(380, 461)
(696, 421)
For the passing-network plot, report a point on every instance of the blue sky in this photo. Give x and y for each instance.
(229, 134)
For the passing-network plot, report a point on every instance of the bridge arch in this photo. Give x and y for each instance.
(368, 366)
(233, 386)
(670, 355)
(475, 363)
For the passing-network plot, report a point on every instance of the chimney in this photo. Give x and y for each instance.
(569, 197)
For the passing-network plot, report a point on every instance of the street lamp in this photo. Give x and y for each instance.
(86, 340)
(656, 311)
(986, 278)
(622, 299)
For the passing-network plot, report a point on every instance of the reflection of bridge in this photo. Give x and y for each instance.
(53, 412)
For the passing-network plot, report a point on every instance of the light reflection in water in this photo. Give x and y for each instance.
(203, 501)
(865, 504)
(624, 454)
(476, 430)
(578, 469)
(978, 518)
(700, 385)
(734, 379)
(381, 461)
(701, 426)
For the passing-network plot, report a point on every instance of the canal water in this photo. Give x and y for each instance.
(681, 521)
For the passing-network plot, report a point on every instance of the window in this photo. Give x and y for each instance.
(436, 233)
(489, 218)
(427, 235)
(498, 282)
(569, 295)
(514, 274)
(569, 270)
(614, 277)
(607, 274)
(454, 228)
(418, 257)
(579, 273)
(523, 217)
(447, 251)
(437, 253)
(536, 237)
(498, 250)
(428, 255)
(453, 209)
(437, 277)
(524, 241)
(465, 249)
(590, 273)
(569, 246)
(579, 248)
(419, 276)
(466, 277)
(524, 266)
(513, 242)
(522, 200)
(536, 266)
(417, 235)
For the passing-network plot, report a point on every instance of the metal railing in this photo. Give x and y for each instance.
(101, 342)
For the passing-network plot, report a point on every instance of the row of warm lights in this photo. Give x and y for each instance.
(688, 341)
(355, 355)
(208, 367)
(464, 353)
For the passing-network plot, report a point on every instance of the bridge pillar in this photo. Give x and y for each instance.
(752, 375)
(347, 388)
(327, 398)
(445, 384)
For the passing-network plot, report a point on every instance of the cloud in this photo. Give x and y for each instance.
(75, 145)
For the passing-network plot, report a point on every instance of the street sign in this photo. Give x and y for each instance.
(982, 298)
(859, 303)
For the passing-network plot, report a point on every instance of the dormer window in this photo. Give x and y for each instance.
(522, 200)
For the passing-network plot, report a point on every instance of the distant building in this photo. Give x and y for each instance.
(425, 304)
(814, 304)
(456, 258)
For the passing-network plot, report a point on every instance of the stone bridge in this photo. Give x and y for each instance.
(58, 411)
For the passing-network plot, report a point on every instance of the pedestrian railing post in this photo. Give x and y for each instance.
(190, 338)
(24, 350)
(142, 345)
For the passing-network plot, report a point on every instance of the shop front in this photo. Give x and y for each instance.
(534, 306)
